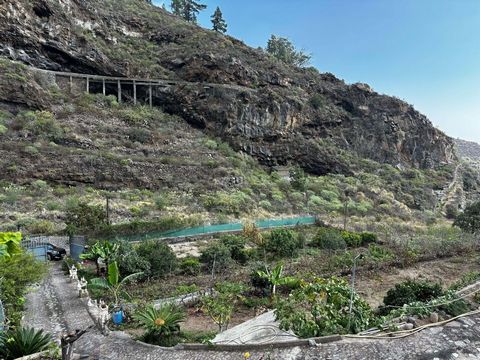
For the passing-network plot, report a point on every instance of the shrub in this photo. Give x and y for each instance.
(411, 291)
(43, 124)
(129, 261)
(218, 254)
(190, 266)
(41, 227)
(351, 239)
(368, 237)
(282, 243)
(17, 273)
(86, 218)
(321, 307)
(162, 325)
(469, 220)
(329, 239)
(159, 255)
(236, 245)
(316, 101)
(3, 129)
(31, 150)
(139, 134)
(24, 341)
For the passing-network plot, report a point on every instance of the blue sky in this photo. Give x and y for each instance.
(426, 52)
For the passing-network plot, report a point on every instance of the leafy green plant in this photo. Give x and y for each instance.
(24, 341)
(10, 243)
(82, 217)
(282, 243)
(469, 219)
(216, 255)
(160, 256)
(105, 250)
(321, 307)
(113, 284)
(329, 239)
(410, 291)
(162, 325)
(275, 277)
(221, 304)
(190, 266)
(17, 272)
(129, 261)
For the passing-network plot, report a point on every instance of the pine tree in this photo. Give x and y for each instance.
(177, 7)
(283, 49)
(191, 8)
(218, 21)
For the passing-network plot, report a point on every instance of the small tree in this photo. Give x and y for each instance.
(282, 243)
(283, 50)
(191, 8)
(469, 220)
(219, 24)
(101, 250)
(160, 256)
(222, 303)
(298, 178)
(177, 7)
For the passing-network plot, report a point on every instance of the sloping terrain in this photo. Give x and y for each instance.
(287, 115)
(468, 149)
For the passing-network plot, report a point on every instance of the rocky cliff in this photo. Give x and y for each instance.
(277, 113)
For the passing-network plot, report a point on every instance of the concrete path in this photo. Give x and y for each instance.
(55, 307)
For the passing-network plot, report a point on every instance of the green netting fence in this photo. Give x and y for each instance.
(213, 229)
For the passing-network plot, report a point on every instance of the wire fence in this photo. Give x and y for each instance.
(219, 228)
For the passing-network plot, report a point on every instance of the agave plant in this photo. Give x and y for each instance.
(162, 322)
(113, 284)
(23, 341)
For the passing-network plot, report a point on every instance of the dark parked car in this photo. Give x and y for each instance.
(55, 252)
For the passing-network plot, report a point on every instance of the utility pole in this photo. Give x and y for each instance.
(107, 208)
(352, 290)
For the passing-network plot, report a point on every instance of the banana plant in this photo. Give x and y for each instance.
(101, 250)
(113, 284)
(275, 278)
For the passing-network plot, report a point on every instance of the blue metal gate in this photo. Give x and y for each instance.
(38, 248)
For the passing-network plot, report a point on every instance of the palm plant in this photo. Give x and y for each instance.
(23, 341)
(113, 284)
(162, 323)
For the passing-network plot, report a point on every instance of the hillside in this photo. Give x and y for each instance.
(278, 114)
(209, 149)
(468, 149)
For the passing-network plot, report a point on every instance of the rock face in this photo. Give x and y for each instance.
(468, 149)
(277, 113)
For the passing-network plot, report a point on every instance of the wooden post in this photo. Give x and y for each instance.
(104, 92)
(71, 84)
(134, 93)
(150, 95)
(88, 85)
(119, 97)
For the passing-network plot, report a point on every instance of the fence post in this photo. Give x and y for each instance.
(104, 90)
(88, 85)
(2, 317)
(134, 92)
(119, 87)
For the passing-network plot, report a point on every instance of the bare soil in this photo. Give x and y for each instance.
(374, 285)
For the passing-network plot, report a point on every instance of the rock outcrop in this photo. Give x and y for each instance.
(277, 113)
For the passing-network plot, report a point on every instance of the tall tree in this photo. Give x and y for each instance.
(284, 50)
(177, 7)
(218, 21)
(191, 8)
